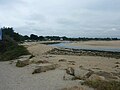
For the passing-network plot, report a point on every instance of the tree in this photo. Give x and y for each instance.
(41, 38)
(26, 37)
(64, 38)
(34, 37)
(7, 31)
(9, 47)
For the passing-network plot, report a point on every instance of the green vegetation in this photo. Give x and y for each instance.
(10, 32)
(9, 48)
(46, 38)
(18, 38)
(103, 85)
(13, 53)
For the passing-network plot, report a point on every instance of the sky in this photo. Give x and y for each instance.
(72, 18)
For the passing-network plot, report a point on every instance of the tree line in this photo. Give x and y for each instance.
(64, 38)
(17, 37)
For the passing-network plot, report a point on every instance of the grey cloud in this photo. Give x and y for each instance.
(36, 17)
(64, 21)
(8, 1)
(106, 5)
(89, 18)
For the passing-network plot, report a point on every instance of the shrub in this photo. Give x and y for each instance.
(103, 85)
(13, 52)
(9, 49)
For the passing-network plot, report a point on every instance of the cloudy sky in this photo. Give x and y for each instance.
(73, 18)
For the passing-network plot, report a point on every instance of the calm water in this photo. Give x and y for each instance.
(87, 47)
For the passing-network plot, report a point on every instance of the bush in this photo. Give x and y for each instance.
(9, 49)
(13, 52)
(103, 85)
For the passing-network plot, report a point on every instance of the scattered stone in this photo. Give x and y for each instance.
(81, 66)
(42, 61)
(86, 74)
(117, 63)
(74, 88)
(11, 62)
(115, 78)
(44, 68)
(96, 68)
(32, 56)
(81, 73)
(116, 74)
(89, 74)
(25, 57)
(50, 56)
(95, 77)
(103, 73)
(116, 66)
(70, 71)
(108, 75)
(78, 73)
(62, 60)
(32, 61)
(78, 52)
(23, 61)
(68, 77)
(71, 62)
(46, 56)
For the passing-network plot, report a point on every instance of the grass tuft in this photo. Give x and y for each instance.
(103, 85)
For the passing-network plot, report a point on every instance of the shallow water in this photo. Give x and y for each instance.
(87, 47)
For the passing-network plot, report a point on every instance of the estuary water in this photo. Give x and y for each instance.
(86, 47)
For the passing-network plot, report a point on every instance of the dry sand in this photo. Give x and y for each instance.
(13, 78)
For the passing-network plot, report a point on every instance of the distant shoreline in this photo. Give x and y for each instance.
(95, 43)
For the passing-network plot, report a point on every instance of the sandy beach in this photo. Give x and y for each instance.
(97, 43)
(14, 78)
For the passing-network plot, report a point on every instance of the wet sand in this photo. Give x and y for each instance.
(97, 43)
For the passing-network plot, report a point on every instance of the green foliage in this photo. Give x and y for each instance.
(9, 48)
(13, 52)
(26, 37)
(6, 43)
(34, 37)
(45, 38)
(18, 38)
(10, 32)
(103, 85)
